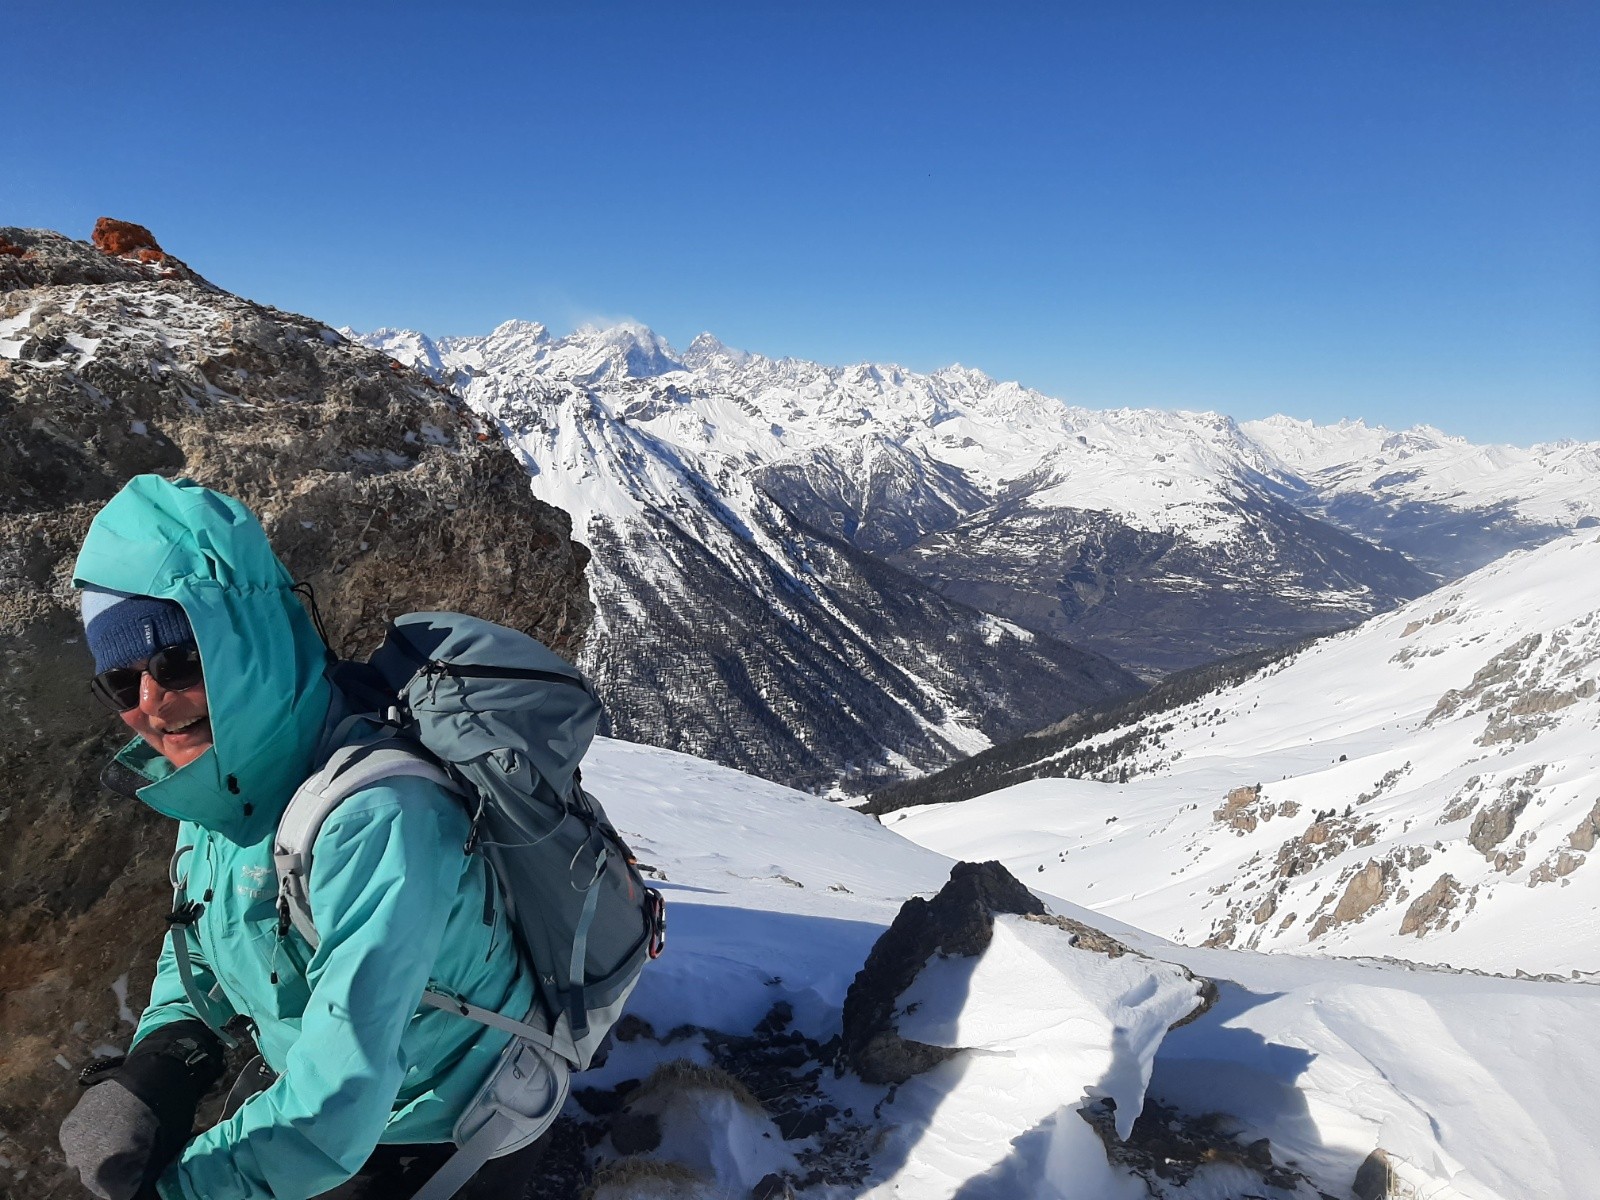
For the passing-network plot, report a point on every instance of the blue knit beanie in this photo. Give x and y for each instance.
(124, 629)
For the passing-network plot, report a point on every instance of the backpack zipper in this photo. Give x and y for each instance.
(473, 671)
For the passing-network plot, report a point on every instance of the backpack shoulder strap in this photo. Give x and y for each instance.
(349, 770)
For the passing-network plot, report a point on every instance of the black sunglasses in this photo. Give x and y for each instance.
(175, 668)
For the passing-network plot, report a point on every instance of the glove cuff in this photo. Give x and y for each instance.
(170, 1070)
(173, 1066)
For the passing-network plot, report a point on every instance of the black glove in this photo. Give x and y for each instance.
(139, 1113)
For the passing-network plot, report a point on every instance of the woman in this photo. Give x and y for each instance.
(205, 653)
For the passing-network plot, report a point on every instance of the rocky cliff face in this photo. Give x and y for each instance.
(376, 485)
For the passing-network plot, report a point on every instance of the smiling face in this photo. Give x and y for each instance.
(176, 724)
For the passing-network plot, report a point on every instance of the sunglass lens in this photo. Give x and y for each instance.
(175, 668)
(117, 689)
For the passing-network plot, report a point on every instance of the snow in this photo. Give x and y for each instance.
(1384, 721)
(10, 345)
(1476, 1086)
(741, 409)
(1475, 1081)
(1037, 1017)
(119, 989)
(717, 1135)
(1557, 482)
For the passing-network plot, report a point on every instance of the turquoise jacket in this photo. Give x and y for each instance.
(397, 901)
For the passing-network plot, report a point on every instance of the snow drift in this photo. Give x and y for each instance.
(1448, 1084)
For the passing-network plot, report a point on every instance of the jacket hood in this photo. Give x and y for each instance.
(264, 663)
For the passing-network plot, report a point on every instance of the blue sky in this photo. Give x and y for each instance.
(1380, 209)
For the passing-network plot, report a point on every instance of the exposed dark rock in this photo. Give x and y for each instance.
(1373, 1178)
(772, 1187)
(777, 1018)
(41, 258)
(1497, 822)
(1587, 833)
(376, 485)
(1495, 674)
(635, 1133)
(1236, 810)
(602, 1102)
(1364, 891)
(632, 1027)
(1171, 1150)
(1432, 909)
(1559, 865)
(959, 921)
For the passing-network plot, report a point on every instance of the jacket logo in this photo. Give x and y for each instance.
(255, 878)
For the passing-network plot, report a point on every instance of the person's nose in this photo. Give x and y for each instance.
(152, 696)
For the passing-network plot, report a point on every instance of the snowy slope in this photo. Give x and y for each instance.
(1426, 786)
(1474, 1087)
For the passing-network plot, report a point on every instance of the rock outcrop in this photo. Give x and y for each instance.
(377, 486)
(1433, 908)
(957, 921)
(124, 239)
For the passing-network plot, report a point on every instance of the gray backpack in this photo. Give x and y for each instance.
(495, 717)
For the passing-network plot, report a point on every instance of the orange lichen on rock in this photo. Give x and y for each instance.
(11, 249)
(123, 238)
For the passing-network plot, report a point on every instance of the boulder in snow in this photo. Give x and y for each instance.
(958, 921)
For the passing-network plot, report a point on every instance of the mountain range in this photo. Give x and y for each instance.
(856, 573)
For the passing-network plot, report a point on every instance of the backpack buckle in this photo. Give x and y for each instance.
(185, 914)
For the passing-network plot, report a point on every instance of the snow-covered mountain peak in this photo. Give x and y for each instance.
(707, 352)
(516, 332)
(405, 345)
(628, 350)
(1419, 439)
(1069, 521)
(1368, 475)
